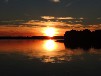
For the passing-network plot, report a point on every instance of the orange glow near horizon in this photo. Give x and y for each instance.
(50, 32)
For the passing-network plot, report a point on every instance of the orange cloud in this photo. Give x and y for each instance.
(48, 17)
(65, 18)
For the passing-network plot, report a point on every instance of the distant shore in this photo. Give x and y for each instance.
(32, 37)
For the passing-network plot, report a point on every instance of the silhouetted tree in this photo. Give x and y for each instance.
(84, 39)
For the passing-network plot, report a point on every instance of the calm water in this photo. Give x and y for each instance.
(47, 58)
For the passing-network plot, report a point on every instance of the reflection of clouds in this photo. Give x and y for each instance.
(69, 55)
(48, 51)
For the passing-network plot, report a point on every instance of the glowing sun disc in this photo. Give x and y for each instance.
(50, 32)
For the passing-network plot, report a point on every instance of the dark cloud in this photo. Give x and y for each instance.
(33, 9)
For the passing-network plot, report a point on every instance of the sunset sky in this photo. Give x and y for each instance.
(39, 17)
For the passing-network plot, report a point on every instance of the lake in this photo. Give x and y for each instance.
(47, 58)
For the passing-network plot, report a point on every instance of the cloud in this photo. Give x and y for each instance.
(65, 18)
(69, 4)
(44, 23)
(48, 17)
(94, 27)
(81, 18)
(78, 21)
(99, 18)
(60, 22)
(55, 1)
(56, 18)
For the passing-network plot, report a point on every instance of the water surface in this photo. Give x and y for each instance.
(47, 58)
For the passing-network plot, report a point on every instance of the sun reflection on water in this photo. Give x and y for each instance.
(50, 45)
(46, 50)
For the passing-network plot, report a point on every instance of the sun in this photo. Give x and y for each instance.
(50, 32)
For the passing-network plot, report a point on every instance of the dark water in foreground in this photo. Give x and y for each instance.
(47, 58)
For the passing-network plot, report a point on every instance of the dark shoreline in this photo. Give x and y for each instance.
(32, 37)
